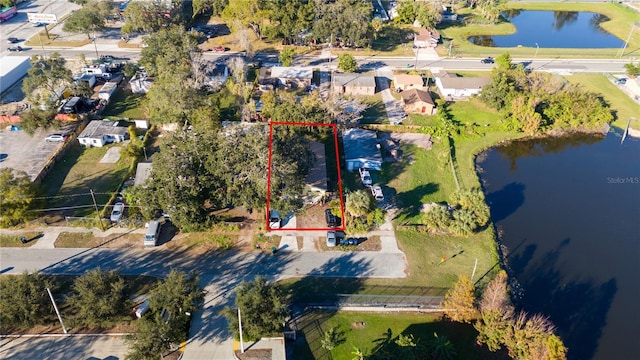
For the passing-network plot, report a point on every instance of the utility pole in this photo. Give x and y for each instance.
(56, 308)
(450, 45)
(536, 54)
(95, 206)
(240, 326)
(44, 53)
(474, 270)
(626, 43)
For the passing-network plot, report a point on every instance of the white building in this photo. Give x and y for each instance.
(99, 133)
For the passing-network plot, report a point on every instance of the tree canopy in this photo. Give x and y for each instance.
(90, 18)
(459, 301)
(99, 296)
(16, 196)
(347, 63)
(24, 300)
(45, 77)
(538, 102)
(263, 307)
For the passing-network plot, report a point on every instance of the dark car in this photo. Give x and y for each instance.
(488, 60)
(621, 81)
(15, 49)
(13, 40)
(332, 220)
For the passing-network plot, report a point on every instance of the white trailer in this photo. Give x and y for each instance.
(12, 69)
(107, 90)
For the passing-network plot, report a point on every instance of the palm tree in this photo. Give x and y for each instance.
(359, 203)
(357, 354)
(441, 348)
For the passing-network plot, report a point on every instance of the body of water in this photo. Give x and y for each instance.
(553, 29)
(567, 211)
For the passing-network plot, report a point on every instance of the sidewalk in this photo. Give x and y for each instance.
(50, 233)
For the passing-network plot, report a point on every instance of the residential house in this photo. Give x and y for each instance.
(265, 81)
(316, 181)
(353, 84)
(452, 86)
(99, 133)
(292, 77)
(404, 82)
(217, 76)
(418, 102)
(361, 149)
(426, 38)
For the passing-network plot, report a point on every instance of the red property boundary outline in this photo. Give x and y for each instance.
(335, 142)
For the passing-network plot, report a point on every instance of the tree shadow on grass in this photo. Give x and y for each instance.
(411, 200)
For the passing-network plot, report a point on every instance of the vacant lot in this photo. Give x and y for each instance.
(368, 332)
(126, 104)
(88, 240)
(68, 186)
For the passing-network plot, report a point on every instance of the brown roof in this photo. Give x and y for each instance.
(427, 34)
(404, 79)
(415, 95)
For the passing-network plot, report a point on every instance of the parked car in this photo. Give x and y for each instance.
(38, 24)
(55, 138)
(219, 48)
(365, 176)
(621, 81)
(274, 219)
(15, 48)
(332, 220)
(12, 40)
(116, 213)
(488, 60)
(331, 238)
(376, 191)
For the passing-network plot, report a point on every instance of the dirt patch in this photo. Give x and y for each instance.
(420, 140)
(88, 240)
(312, 217)
(254, 354)
(358, 325)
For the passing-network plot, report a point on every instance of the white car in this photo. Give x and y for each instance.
(331, 238)
(55, 138)
(365, 176)
(116, 213)
(376, 191)
(274, 219)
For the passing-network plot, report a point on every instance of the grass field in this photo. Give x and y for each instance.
(366, 331)
(126, 104)
(78, 172)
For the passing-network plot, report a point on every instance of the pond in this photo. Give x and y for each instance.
(553, 29)
(567, 212)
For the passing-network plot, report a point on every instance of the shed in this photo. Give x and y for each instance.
(418, 102)
(353, 84)
(404, 82)
(452, 86)
(316, 181)
(361, 149)
(99, 133)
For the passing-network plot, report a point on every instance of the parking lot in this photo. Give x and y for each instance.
(21, 151)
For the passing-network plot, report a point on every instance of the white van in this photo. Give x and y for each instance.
(153, 231)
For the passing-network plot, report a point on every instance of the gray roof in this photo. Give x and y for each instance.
(317, 176)
(99, 128)
(142, 172)
(291, 72)
(361, 144)
(354, 79)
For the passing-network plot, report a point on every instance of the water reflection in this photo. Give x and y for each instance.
(552, 29)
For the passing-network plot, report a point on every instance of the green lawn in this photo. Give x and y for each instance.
(366, 331)
(78, 172)
(620, 24)
(14, 240)
(125, 104)
(376, 113)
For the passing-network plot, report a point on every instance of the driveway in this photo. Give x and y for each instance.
(395, 111)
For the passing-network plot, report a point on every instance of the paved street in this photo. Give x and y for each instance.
(63, 348)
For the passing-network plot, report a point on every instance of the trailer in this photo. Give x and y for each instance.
(108, 90)
(12, 69)
(7, 13)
